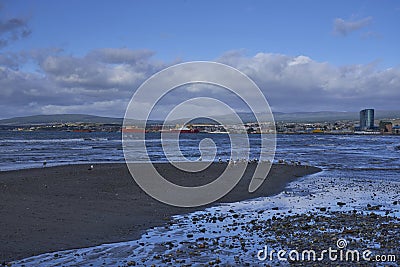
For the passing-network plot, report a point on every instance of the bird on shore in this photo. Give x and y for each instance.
(200, 159)
(44, 163)
(91, 167)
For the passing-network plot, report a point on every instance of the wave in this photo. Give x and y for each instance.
(41, 140)
(373, 169)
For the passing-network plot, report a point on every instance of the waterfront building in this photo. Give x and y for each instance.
(396, 129)
(367, 119)
(386, 127)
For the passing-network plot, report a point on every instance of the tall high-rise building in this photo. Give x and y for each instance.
(367, 119)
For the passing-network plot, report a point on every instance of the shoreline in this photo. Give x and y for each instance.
(68, 206)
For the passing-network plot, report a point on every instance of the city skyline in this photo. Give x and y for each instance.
(58, 58)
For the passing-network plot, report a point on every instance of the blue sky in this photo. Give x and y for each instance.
(357, 40)
(203, 30)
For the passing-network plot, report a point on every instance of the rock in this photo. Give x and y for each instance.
(377, 207)
(169, 244)
(373, 215)
(341, 204)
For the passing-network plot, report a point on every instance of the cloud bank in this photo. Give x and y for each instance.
(103, 81)
(298, 83)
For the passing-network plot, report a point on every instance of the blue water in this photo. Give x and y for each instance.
(370, 155)
(31, 149)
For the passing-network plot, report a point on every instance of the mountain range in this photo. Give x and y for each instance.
(59, 118)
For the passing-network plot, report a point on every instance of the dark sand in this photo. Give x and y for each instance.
(65, 207)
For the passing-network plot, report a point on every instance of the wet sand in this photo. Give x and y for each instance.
(64, 207)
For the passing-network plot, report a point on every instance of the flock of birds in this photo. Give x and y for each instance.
(45, 164)
(292, 162)
(255, 160)
(231, 162)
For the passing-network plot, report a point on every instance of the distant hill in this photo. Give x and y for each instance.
(59, 118)
(322, 116)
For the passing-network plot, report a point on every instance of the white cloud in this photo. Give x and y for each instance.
(315, 86)
(97, 108)
(300, 60)
(68, 84)
(343, 27)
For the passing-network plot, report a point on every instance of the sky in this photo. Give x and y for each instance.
(90, 56)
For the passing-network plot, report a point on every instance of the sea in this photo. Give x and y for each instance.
(358, 170)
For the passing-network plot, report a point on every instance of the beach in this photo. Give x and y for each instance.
(65, 207)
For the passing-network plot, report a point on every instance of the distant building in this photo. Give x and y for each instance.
(386, 127)
(367, 119)
(396, 129)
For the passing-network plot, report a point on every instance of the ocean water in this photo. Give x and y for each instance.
(30, 149)
(346, 153)
(357, 170)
